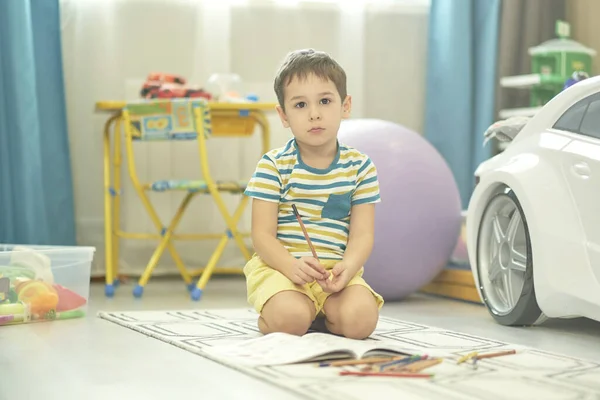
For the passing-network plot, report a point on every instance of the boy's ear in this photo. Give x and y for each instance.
(282, 116)
(347, 107)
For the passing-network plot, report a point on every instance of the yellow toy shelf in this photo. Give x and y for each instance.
(226, 120)
(116, 105)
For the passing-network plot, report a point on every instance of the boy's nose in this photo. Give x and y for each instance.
(314, 115)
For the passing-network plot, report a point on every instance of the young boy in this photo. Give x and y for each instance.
(334, 188)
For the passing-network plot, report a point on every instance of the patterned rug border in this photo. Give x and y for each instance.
(106, 315)
(258, 373)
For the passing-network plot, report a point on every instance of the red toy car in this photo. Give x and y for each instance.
(169, 91)
(149, 88)
(168, 86)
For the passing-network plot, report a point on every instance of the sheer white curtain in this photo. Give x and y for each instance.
(109, 46)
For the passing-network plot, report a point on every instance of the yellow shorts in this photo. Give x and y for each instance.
(263, 282)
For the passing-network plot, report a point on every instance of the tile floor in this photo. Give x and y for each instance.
(95, 359)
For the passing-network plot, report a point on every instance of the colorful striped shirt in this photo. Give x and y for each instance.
(323, 197)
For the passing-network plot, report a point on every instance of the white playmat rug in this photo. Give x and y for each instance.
(528, 374)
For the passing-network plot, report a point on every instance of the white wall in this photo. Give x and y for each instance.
(109, 47)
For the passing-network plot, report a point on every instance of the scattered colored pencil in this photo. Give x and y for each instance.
(409, 366)
(466, 357)
(343, 363)
(405, 366)
(419, 366)
(396, 363)
(492, 355)
(476, 356)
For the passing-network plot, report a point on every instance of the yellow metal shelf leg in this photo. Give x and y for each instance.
(108, 228)
(196, 293)
(116, 196)
(164, 243)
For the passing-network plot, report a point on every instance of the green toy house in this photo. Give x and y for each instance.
(552, 65)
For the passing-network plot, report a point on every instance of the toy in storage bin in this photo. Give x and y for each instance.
(234, 123)
(43, 283)
(228, 88)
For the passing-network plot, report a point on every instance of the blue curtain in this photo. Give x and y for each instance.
(36, 193)
(461, 81)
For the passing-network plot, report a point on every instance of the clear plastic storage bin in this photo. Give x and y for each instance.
(43, 283)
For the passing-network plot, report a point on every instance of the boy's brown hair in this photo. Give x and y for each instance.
(301, 63)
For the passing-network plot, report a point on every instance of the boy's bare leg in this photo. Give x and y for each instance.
(288, 311)
(351, 312)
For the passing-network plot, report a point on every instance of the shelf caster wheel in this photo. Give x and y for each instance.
(138, 291)
(109, 290)
(196, 294)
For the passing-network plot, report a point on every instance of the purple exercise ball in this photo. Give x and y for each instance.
(417, 223)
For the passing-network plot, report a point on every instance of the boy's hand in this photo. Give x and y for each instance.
(341, 274)
(306, 270)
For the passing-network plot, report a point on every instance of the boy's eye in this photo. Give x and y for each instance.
(325, 101)
(300, 105)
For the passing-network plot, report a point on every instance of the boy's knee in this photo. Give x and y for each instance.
(288, 314)
(294, 322)
(355, 320)
(358, 322)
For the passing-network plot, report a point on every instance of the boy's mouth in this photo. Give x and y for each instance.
(316, 129)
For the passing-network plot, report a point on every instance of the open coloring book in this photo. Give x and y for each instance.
(283, 348)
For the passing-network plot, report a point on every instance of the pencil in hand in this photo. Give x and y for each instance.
(312, 248)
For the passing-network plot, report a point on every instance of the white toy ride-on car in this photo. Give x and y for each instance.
(533, 221)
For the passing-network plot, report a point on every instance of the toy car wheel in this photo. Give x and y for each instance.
(505, 264)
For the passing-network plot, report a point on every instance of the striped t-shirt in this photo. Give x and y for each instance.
(323, 197)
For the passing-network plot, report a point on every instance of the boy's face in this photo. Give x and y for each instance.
(313, 110)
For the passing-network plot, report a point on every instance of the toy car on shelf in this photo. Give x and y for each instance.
(168, 86)
(168, 91)
(533, 221)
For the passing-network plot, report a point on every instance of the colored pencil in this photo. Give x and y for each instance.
(467, 357)
(419, 366)
(312, 248)
(388, 374)
(498, 354)
(404, 361)
(375, 360)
